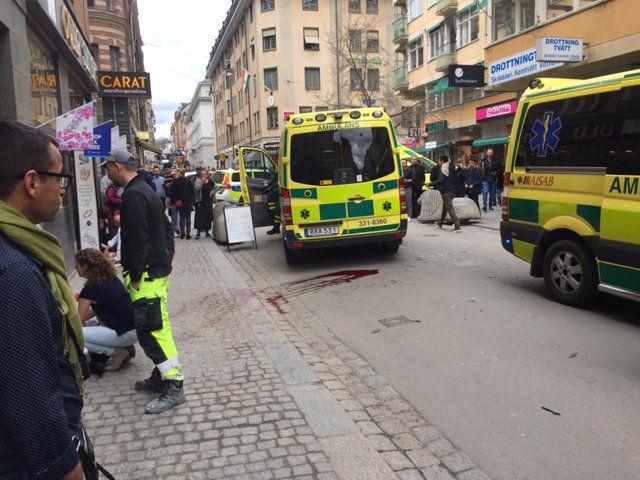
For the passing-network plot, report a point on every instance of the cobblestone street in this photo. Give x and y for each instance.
(271, 393)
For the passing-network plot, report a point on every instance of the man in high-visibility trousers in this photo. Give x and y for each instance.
(146, 243)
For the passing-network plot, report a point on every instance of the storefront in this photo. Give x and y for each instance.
(495, 122)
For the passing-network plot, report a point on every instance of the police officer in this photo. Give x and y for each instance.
(146, 254)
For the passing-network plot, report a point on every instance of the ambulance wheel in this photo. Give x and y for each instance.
(391, 247)
(570, 274)
(291, 256)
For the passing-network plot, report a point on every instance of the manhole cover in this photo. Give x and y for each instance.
(395, 321)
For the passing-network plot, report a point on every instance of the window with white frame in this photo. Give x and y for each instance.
(373, 79)
(372, 7)
(468, 27)
(271, 78)
(268, 5)
(355, 40)
(272, 118)
(438, 42)
(312, 78)
(354, 6)
(373, 42)
(513, 16)
(311, 39)
(415, 9)
(415, 49)
(504, 18)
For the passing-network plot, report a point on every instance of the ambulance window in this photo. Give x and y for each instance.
(341, 156)
(257, 164)
(572, 133)
(623, 154)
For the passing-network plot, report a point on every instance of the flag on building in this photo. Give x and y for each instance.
(246, 80)
(74, 129)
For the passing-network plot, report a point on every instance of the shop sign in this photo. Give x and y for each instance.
(144, 136)
(430, 145)
(74, 38)
(124, 84)
(522, 64)
(271, 145)
(471, 76)
(86, 201)
(437, 126)
(497, 110)
(101, 141)
(560, 49)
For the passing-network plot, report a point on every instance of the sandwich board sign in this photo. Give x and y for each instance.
(239, 225)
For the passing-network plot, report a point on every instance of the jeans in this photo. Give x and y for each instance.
(103, 340)
(175, 219)
(488, 193)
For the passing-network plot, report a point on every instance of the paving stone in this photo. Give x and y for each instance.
(406, 441)
(409, 475)
(475, 474)
(426, 433)
(422, 457)
(397, 460)
(436, 473)
(457, 462)
(441, 447)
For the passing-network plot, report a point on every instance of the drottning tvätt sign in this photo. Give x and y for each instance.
(124, 84)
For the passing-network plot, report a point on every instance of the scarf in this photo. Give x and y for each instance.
(46, 249)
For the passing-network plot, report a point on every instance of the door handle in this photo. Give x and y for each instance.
(357, 198)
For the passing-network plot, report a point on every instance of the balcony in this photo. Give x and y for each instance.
(400, 29)
(446, 8)
(445, 56)
(399, 3)
(400, 79)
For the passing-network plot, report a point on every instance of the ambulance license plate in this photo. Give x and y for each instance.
(320, 231)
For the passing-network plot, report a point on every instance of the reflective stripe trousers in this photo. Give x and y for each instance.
(153, 327)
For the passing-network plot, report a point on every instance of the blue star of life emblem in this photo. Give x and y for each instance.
(545, 134)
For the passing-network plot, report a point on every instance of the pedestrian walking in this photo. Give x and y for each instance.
(104, 300)
(418, 178)
(204, 187)
(499, 181)
(434, 175)
(473, 181)
(42, 342)
(158, 184)
(182, 196)
(147, 253)
(173, 212)
(490, 169)
(447, 184)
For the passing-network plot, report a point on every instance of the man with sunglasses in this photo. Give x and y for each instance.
(41, 340)
(146, 254)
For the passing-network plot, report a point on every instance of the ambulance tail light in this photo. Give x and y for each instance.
(226, 185)
(505, 197)
(285, 207)
(403, 198)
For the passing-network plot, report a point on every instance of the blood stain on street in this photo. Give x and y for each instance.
(313, 284)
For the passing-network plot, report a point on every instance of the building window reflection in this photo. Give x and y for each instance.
(44, 82)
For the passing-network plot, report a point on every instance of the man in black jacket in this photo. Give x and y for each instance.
(473, 181)
(147, 251)
(447, 183)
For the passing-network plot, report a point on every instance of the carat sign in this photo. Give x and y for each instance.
(560, 49)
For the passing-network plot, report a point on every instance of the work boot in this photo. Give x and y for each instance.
(152, 384)
(172, 395)
(274, 230)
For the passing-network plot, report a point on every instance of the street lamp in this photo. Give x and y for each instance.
(229, 73)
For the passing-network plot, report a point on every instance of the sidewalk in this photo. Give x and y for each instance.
(271, 393)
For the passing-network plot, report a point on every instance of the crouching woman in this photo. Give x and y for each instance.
(111, 339)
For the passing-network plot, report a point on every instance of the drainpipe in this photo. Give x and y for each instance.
(335, 2)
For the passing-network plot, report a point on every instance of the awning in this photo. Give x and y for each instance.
(440, 86)
(415, 39)
(148, 146)
(423, 150)
(311, 39)
(486, 142)
(435, 27)
(474, 6)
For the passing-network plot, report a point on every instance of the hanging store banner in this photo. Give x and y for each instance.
(522, 64)
(86, 198)
(101, 141)
(560, 49)
(124, 84)
(496, 110)
(74, 129)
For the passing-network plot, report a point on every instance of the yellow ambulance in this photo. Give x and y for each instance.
(571, 204)
(339, 179)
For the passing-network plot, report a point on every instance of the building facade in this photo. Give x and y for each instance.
(117, 47)
(179, 129)
(200, 144)
(307, 55)
(46, 69)
(503, 37)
